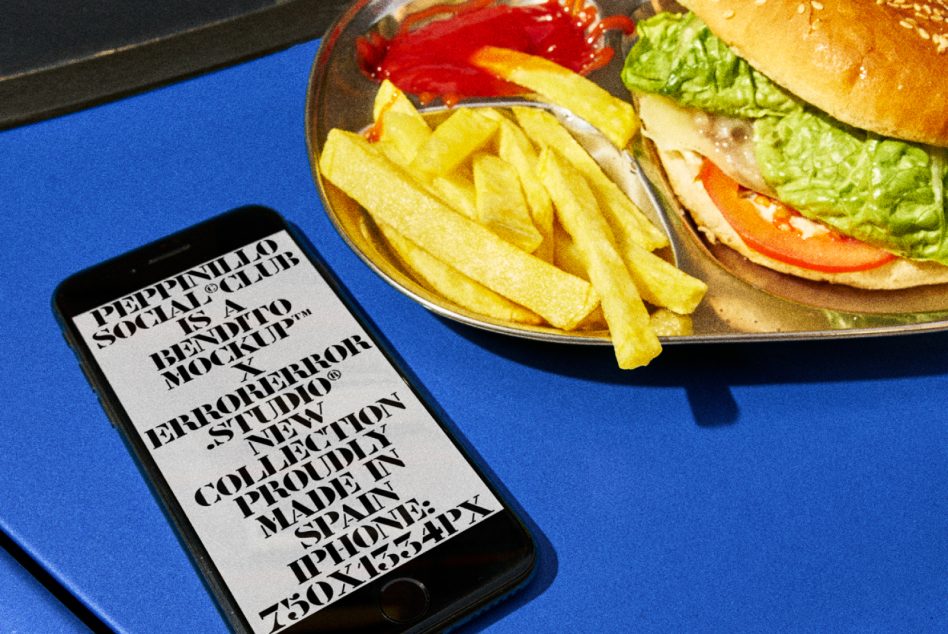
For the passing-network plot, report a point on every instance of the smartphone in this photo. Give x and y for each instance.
(315, 485)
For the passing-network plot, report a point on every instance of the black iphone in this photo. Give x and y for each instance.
(315, 485)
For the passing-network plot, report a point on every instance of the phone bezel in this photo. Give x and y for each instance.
(156, 261)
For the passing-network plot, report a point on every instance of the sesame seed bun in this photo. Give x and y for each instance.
(879, 65)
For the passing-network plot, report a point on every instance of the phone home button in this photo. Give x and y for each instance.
(403, 600)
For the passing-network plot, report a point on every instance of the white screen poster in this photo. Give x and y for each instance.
(305, 464)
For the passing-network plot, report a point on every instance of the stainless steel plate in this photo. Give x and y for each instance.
(745, 302)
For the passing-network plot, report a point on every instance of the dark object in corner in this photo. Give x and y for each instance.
(57, 56)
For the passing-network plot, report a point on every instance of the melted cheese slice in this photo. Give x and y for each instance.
(727, 141)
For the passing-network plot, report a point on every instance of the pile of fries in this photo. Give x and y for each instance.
(503, 212)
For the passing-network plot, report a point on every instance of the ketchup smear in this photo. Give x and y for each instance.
(431, 60)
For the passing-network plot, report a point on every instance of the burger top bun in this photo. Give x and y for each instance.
(879, 65)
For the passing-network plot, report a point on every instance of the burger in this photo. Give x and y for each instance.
(808, 135)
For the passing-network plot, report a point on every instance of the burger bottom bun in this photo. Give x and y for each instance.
(682, 168)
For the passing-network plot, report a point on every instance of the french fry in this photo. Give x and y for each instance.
(595, 321)
(615, 118)
(661, 283)
(501, 206)
(493, 113)
(634, 342)
(454, 285)
(402, 135)
(390, 98)
(566, 256)
(399, 127)
(401, 130)
(394, 198)
(514, 147)
(665, 323)
(457, 191)
(458, 137)
(626, 220)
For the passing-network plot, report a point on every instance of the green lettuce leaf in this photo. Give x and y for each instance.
(678, 57)
(879, 190)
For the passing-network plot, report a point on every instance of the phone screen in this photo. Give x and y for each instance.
(305, 464)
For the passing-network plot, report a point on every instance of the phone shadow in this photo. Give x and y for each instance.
(708, 372)
(544, 572)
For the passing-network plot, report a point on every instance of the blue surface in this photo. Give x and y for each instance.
(26, 606)
(794, 486)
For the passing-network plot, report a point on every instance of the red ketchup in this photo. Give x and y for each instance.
(431, 59)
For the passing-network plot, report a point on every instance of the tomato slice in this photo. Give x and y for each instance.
(778, 231)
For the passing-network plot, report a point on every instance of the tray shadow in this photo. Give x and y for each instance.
(707, 372)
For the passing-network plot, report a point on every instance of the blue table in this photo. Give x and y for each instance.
(793, 486)
(26, 606)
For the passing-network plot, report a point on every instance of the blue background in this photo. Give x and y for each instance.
(790, 486)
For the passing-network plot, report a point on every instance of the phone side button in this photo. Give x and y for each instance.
(403, 600)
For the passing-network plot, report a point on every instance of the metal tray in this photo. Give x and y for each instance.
(745, 302)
